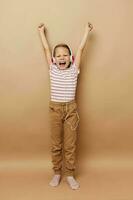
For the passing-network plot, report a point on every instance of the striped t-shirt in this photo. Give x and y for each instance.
(63, 83)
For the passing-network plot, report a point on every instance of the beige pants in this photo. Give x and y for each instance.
(64, 121)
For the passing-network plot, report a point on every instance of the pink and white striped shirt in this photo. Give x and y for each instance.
(63, 83)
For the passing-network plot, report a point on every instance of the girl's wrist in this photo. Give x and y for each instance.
(41, 32)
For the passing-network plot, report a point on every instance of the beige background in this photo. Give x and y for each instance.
(104, 95)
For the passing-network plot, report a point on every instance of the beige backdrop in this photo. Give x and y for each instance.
(104, 95)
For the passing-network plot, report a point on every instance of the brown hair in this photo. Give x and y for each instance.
(61, 45)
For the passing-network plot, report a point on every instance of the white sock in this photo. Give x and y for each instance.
(55, 180)
(72, 182)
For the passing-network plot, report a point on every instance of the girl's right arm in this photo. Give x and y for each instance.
(41, 29)
(88, 28)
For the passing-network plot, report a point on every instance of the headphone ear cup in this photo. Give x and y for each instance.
(72, 59)
(71, 56)
(53, 60)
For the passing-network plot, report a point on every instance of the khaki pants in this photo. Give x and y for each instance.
(64, 120)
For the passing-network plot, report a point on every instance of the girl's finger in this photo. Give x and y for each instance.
(41, 25)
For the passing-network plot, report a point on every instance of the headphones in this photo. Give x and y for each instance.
(71, 55)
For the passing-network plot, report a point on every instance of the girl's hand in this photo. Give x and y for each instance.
(41, 27)
(89, 26)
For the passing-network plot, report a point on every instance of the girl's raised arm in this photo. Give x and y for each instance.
(42, 32)
(88, 28)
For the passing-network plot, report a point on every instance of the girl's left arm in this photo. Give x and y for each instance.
(88, 28)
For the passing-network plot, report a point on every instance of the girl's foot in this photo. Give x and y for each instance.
(72, 183)
(55, 180)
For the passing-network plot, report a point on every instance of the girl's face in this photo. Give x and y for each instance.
(62, 57)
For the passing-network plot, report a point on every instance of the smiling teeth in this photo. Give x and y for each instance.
(62, 63)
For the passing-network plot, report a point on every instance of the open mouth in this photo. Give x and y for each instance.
(62, 63)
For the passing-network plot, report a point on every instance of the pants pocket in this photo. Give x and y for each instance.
(73, 120)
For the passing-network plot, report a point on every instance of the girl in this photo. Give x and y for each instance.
(63, 71)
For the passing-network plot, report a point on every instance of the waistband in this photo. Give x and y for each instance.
(62, 103)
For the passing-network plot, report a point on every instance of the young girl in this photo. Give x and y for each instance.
(63, 71)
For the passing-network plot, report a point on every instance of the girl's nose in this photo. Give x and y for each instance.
(62, 57)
